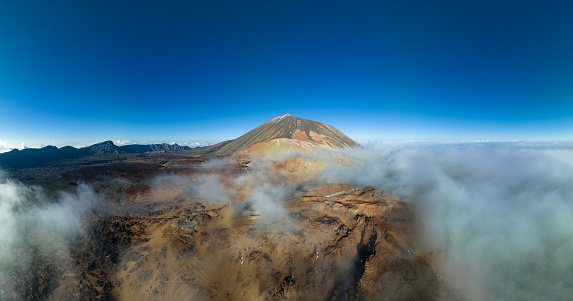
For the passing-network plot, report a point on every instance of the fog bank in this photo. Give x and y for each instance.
(497, 216)
(32, 222)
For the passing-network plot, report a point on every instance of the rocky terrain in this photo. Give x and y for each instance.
(255, 225)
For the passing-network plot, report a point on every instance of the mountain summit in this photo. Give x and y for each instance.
(290, 127)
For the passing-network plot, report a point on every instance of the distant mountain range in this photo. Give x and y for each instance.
(38, 157)
(285, 126)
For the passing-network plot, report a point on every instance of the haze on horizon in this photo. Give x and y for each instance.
(89, 71)
(495, 216)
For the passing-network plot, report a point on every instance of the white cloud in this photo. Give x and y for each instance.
(193, 144)
(32, 220)
(499, 215)
(123, 142)
(6, 146)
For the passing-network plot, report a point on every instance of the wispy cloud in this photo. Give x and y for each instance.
(6, 146)
(498, 215)
(31, 220)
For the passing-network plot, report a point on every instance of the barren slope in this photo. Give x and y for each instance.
(291, 127)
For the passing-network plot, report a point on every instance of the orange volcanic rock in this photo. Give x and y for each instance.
(289, 127)
(281, 146)
(340, 242)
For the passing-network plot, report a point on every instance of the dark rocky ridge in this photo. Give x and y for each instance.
(39, 157)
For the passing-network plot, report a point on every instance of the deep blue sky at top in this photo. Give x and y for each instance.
(75, 71)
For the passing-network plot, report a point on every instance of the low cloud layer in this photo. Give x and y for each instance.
(259, 190)
(32, 221)
(497, 216)
(6, 146)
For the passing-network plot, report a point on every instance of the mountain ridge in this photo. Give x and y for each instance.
(281, 127)
(38, 157)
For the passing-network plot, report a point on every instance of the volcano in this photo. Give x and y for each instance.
(286, 127)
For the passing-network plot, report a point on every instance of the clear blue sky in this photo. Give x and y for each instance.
(73, 71)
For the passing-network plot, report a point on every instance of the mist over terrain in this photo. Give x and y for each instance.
(497, 215)
(261, 189)
(33, 224)
(494, 218)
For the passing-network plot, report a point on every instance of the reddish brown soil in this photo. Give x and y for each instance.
(336, 242)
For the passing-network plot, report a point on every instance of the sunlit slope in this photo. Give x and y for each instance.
(290, 127)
